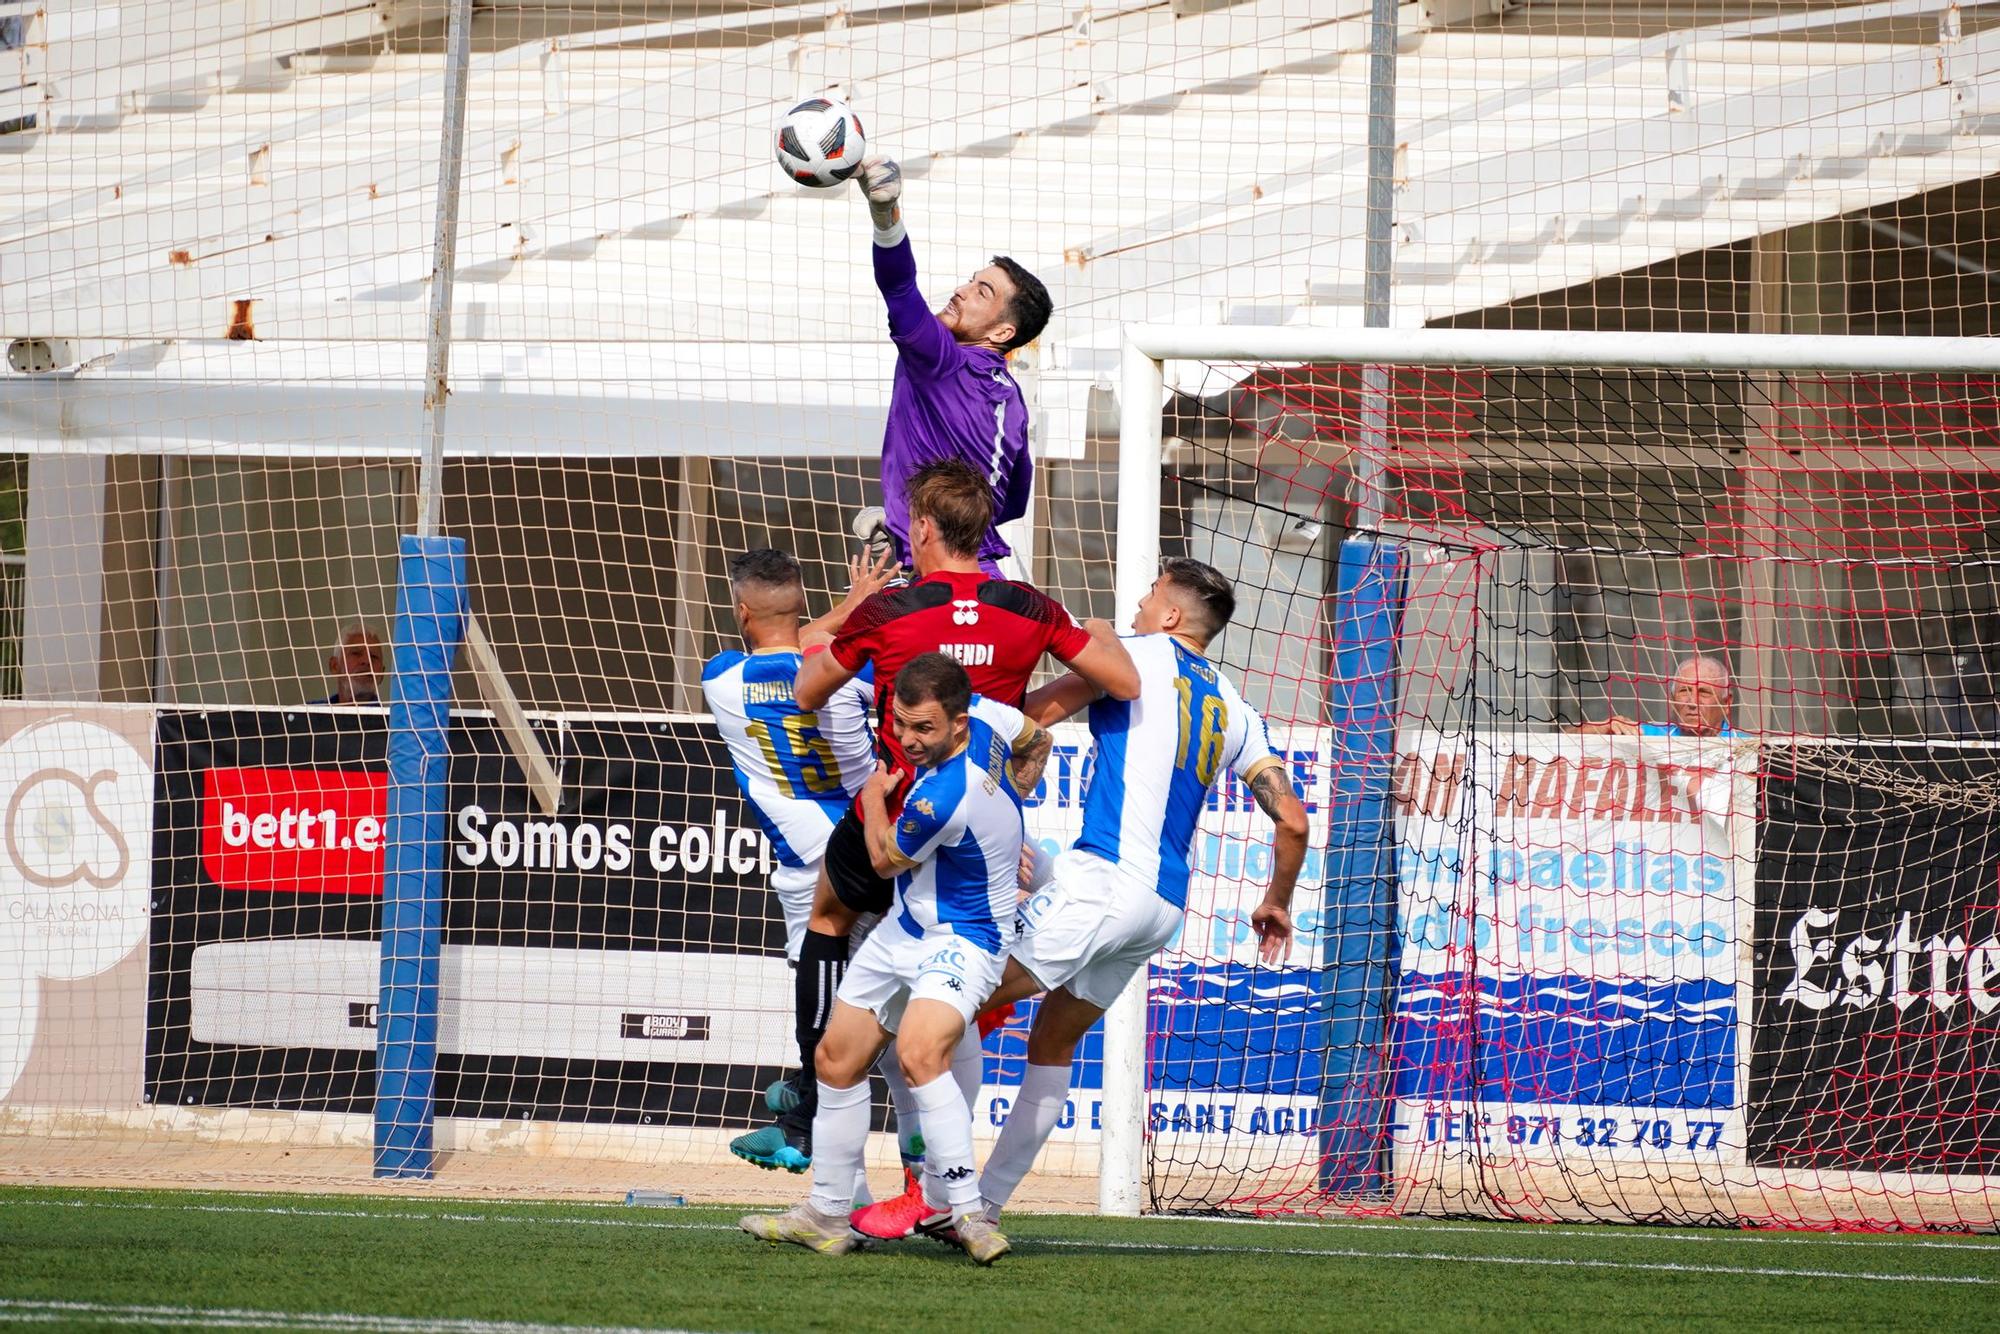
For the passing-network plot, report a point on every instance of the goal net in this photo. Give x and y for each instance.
(1644, 697)
(229, 359)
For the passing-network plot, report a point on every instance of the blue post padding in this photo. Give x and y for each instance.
(430, 621)
(1361, 870)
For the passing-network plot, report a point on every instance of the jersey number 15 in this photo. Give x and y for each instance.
(799, 756)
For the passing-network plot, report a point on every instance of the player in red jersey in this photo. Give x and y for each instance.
(998, 631)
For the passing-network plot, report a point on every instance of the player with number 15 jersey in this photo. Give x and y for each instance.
(798, 768)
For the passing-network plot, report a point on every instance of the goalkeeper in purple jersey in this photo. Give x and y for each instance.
(953, 397)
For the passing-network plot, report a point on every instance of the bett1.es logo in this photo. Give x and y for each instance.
(293, 831)
(76, 832)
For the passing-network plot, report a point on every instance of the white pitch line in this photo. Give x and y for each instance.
(1510, 1231)
(1530, 1261)
(1602, 1232)
(1352, 1253)
(26, 1311)
(1499, 1227)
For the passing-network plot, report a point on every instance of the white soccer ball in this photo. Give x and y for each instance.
(820, 142)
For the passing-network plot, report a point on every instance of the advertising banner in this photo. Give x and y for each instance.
(1235, 1047)
(1585, 925)
(1573, 914)
(76, 809)
(619, 962)
(1878, 960)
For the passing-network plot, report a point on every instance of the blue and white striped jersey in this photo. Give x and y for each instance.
(958, 838)
(1159, 755)
(798, 769)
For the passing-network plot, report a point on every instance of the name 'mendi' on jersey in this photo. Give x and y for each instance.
(1157, 758)
(995, 628)
(797, 769)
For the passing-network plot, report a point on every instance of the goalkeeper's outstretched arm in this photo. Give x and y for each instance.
(919, 334)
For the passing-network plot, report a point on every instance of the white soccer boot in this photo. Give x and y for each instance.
(803, 1225)
(980, 1237)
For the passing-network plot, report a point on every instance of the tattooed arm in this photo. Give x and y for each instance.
(1272, 919)
(1030, 756)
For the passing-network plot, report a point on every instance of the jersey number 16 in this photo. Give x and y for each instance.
(1214, 727)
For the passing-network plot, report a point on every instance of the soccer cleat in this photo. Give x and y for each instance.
(892, 1220)
(773, 1150)
(996, 1017)
(803, 1225)
(783, 1094)
(979, 1237)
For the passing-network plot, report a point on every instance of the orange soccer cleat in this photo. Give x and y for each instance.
(892, 1220)
(996, 1017)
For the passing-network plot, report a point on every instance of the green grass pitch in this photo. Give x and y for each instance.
(86, 1259)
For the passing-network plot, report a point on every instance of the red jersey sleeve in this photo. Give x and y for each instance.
(1067, 638)
(855, 646)
(1057, 632)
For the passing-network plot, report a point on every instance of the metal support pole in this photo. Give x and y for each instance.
(1121, 1154)
(485, 663)
(444, 259)
(1368, 469)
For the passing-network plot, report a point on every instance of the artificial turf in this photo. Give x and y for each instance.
(119, 1259)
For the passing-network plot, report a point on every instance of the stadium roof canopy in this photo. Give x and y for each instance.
(635, 278)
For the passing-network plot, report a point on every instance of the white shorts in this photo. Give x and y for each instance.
(794, 886)
(893, 968)
(1091, 928)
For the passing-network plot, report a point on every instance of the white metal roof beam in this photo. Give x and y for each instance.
(183, 417)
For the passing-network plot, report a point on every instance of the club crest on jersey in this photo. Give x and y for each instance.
(965, 611)
(910, 826)
(968, 655)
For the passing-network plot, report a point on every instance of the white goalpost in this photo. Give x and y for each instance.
(1610, 974)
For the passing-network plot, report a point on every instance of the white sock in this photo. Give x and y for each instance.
(840, 1138)
(949, 1178)
(1044, 1090)
(968, 1063)
(909, 1121)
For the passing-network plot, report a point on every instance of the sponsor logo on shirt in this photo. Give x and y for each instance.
(965, 611)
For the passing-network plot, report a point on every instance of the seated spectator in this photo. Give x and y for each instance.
(1697, 703)
(356, 669)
